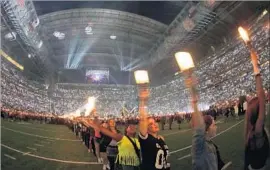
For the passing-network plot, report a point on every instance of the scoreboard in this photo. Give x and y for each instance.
(97, 76)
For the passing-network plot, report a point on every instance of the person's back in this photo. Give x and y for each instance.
(205, 154)
(256, 139)
(257, 142)
(208, 158)
(257, 151)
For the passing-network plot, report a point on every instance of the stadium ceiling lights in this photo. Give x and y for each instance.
(11, 36)
(113, 37)
(59, 35)
(88, 30)
(40, 44)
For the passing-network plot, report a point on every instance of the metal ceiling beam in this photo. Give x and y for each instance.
(133, 32)
(102, 15)
(106, 22)
(225, 13)
(101, 28)
(138, 41)
(23, 18)
(98, 55)
(100, 42)
(108, 65)
(200, 19)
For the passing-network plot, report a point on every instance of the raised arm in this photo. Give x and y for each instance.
(260, 93)
(247, 125)
(105, 131)
(198, 139)
(197, 118)
(143, 98)
(261, 98)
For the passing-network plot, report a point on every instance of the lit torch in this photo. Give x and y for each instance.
(142, 80)
(254, 58)
(90, 106)
(186, 65)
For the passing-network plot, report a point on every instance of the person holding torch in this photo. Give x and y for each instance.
(256, 140)
(153, 147)
(125, 147)
(205, 154)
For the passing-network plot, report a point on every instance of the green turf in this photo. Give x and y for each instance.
(230, 144)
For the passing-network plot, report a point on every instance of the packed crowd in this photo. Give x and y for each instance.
(224, 79)
(110, 98)
(105, 145)
(17, 115)
(20, 93)
(225, 75)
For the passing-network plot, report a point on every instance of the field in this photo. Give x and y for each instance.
(27, 146)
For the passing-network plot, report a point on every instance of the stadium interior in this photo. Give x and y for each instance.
(59, 56)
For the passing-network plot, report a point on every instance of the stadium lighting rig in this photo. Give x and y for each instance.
(59, 35)
(113, 37)
(88, 30)
(11, 36)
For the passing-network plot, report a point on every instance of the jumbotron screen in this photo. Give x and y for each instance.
(97, 76)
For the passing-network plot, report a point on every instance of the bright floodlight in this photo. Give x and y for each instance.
(113, 37)
(59, 35)
(243, 33)
(11, 36)
(141, 76)
(184, 60)
(40, 44)
(88, 30)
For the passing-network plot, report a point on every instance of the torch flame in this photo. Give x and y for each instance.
(243, 33)
(90, 105)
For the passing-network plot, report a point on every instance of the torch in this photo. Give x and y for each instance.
(90, 110)
(254, 57)
(186, 65)
(142, 80)
(90, 106)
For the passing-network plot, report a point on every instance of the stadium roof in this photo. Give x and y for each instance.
(120, 35)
